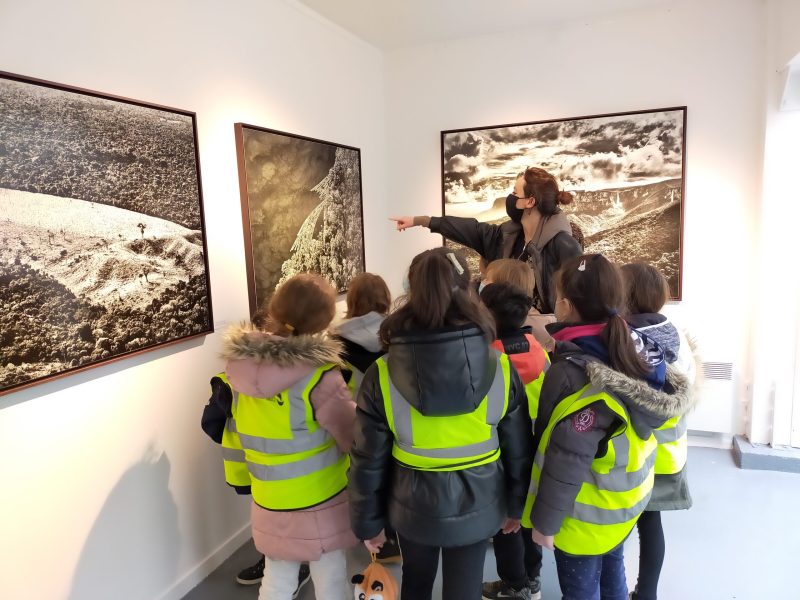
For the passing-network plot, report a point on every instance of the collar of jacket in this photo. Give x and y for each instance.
(245, 341)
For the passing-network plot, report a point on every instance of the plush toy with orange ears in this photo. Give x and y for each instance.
(375, 583)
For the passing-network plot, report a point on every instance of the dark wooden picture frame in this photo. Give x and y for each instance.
(103, 250)
(299, 213)
(626, 170)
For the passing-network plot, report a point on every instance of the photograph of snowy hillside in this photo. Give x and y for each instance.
(626, 172)
(301, 209)
(102, 247)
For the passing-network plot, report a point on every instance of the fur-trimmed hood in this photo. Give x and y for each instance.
(648, 407)
(261, 364)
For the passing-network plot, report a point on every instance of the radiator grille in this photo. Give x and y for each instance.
(718, 370)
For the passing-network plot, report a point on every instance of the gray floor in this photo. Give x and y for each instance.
(740, 540)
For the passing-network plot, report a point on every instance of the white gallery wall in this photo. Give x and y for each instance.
(709, 56)
(109, 487)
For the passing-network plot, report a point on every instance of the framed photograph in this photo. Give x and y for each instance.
(102, 243)
(302, 209)
(625, 170)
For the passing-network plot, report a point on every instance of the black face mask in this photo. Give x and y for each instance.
(514, 213)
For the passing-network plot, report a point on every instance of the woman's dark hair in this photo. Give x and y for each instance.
(508, 304)
(303, 304)
(594, 287)
(439, 296)
(647, 290)
(367, 293)
(542, 186)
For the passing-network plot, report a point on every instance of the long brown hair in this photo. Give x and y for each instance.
(542, 186)
(303, 304)
(366, 293)
(647, 290)
(439, 296)
(594, 287)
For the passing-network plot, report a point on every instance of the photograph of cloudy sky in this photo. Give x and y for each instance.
(625, 171)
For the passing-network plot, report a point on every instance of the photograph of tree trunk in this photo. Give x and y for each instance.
(301, 209)
(102, 244)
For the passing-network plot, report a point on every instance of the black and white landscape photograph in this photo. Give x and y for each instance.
(625, 170)
(301, 209)
(102, 246)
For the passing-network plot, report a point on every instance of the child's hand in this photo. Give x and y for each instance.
(375, 544)
(545, 541)
(510, 525)
(403, 222)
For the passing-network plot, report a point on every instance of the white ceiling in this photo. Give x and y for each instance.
(391, 24)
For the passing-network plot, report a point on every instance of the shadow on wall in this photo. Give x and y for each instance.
(132, 549)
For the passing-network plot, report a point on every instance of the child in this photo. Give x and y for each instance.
(368, 303)
(647, 293)
(284, 417)
(519, 274)
(432, 418)
(519, 560)
(600, 403)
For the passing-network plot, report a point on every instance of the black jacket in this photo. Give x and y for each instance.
(572, 446)
(445, 372)
(507, 240)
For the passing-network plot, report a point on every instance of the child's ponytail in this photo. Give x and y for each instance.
(595, 288)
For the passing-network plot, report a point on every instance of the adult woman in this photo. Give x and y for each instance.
(443, 441)
(538, 233)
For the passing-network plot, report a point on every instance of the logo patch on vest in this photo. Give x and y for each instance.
(584, 420)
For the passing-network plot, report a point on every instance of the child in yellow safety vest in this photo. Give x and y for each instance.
(600, 404)
(284, 417)
(647, 293)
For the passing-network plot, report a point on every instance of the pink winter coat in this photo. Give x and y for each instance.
(263, 365)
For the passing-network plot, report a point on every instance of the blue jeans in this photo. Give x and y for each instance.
(592, 577)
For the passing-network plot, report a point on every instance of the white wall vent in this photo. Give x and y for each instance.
(722, 371)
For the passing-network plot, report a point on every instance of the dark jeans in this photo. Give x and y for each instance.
(518, 558)
(651, 555)
(462, 570)
(592, 577)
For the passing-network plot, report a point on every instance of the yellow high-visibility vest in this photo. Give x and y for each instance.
(446, 443)
(617, 488)
(277, 446)
(673, 446)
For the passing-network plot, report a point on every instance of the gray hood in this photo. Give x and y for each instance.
(550, 227)
(362, 331)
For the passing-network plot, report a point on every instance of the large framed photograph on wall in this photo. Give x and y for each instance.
(302, 209)
(625, 170)
(102, 239)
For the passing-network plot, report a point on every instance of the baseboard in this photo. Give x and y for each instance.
(763, 457)
(710, 439)
(189, 581)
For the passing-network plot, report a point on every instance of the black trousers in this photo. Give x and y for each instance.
(518, 557)
(651, 555)
(462, 570)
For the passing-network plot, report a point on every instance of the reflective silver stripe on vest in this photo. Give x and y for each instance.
(233, 454)
(673, 434)
(401, 410)
(620, 480)
(292, 470)
(357, 377)
(601, 516)
(303, 440)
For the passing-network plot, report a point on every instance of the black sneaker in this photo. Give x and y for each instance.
(252, 575)
(535, 586)
(498, 590)
(390, 552)
(303, 578)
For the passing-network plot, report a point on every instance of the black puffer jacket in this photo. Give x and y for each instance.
(507, 240)
(445, 372)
